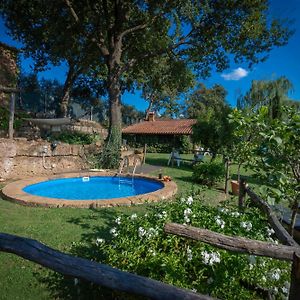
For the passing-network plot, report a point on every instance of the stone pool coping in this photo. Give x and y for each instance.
(14, 192)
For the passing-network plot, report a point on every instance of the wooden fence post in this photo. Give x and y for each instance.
(227, 175)
(145, 151)
(242, 192)
(295, 278)
(11, 115)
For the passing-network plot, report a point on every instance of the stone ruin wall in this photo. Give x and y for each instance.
(20, 158)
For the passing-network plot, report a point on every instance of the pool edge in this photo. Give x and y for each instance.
(14, 192)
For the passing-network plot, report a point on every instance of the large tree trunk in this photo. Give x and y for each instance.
(112, 150)
(64, 103)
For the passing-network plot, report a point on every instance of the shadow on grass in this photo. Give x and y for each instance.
(67, 287)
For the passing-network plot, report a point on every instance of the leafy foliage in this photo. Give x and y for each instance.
(111, 153)
(123, 38)
(213, 131)
(76, 138)
(271, 93)
(208, 173)
(138, 244)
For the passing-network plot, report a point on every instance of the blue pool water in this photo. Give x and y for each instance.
(91, 188)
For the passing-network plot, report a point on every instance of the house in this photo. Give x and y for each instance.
(160, 135)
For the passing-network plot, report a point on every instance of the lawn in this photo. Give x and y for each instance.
(58, 228)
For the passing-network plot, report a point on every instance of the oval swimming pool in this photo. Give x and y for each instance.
(91, 188)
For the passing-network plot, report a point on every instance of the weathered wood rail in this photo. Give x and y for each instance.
(91, 271)
(235, 244)
(290, 251)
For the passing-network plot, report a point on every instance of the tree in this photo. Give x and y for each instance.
(43, 31)
(129, 35)
(213, 131)
(275, 152)
(162, 87)
(203, 99)
(271, 93)
(130, 114)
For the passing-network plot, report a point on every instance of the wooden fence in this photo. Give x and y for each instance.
(112, 278)
(99, 274)
(290, 251)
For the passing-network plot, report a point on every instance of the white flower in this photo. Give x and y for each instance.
(210, 258)
(220, 222)
(270, 231)
(164, 213)
(235, 214)
(275, 275)
(151, 251)
(187, 212)
(189, 254)
(246, 225)
(252, 259)
(224, 210)
(210, 280)
(189, 200)
(133, 216)
(182, 200)
(151, 233)
(194, 290)
(141, 232)
(76, 281)
(187, 219)
(118, 220)
(160, 216)
(114, 232)
(99, 241)
(284, 290)
(146, 215)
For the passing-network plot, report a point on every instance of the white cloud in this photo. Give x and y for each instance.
(236, 74)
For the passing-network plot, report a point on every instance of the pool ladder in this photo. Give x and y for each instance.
(124, 163)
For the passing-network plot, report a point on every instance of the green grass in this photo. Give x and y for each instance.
(58, 228)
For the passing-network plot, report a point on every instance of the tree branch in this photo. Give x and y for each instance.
(68, 3)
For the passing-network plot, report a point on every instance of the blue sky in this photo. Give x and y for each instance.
(237, 79)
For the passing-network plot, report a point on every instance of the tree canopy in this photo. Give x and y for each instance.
(125, 36)
(271, 93)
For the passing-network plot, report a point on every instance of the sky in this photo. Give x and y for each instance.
(282, 61)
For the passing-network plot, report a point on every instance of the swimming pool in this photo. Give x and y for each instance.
(92, 189)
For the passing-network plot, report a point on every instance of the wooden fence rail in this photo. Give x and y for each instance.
(236, 244)
(291, 252)
(91, 271)
(280, 231)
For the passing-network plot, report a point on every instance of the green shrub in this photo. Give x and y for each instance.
(76, 138)
(208, 173)
(4, 118)
(138, 244)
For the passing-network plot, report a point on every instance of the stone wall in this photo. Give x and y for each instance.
(20, 158)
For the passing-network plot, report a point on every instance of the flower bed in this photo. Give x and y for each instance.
(138, 244)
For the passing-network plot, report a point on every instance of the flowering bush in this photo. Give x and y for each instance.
(138, 244)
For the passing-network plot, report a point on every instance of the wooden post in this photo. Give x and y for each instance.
(227, 175)
(11, 115)
(295, 278)
(242, 192)
(144, 157)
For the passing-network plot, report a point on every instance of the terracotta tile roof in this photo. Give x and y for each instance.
(181, 126)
